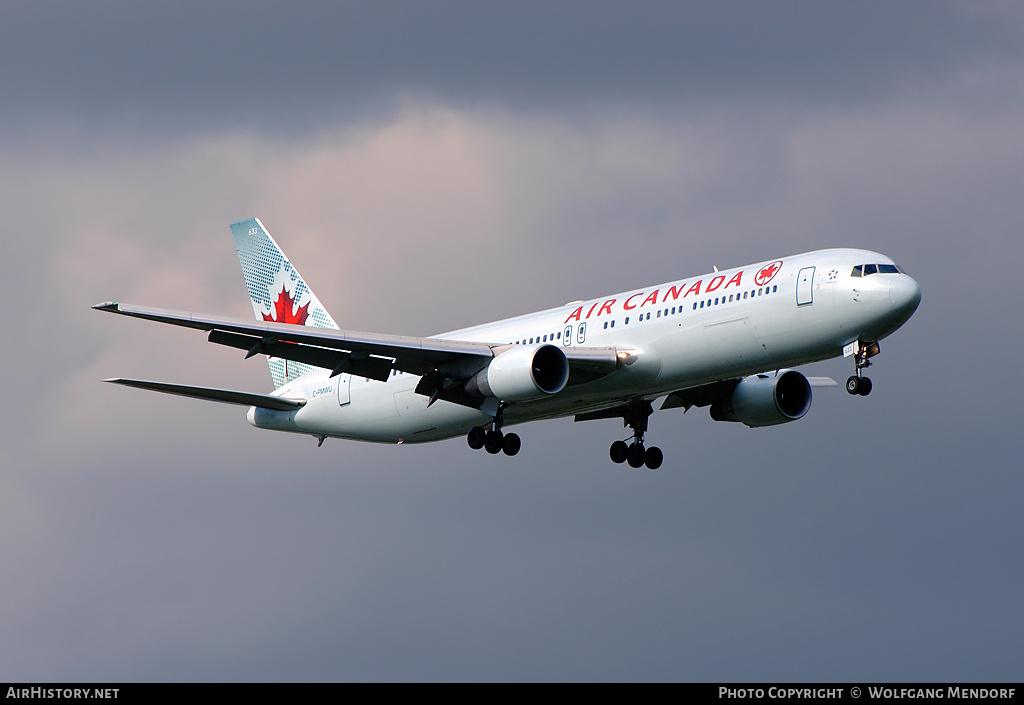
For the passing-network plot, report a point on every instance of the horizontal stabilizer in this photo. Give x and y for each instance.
(225, 396)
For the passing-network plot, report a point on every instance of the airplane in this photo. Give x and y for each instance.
(726, 340)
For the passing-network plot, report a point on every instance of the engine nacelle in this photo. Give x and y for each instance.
(522, 373)
(766, 400)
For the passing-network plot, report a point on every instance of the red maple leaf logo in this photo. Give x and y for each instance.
(285, 311)
(766, 273)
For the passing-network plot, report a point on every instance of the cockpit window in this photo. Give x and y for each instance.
(863, 270)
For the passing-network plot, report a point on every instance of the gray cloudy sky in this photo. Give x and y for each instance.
(432, 165)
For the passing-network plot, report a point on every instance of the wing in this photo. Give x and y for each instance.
(637, 410)
(708, 394)
(442, 363)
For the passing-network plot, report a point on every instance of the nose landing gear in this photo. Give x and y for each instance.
(859, 384)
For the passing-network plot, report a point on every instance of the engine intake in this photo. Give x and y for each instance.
(522, 373)
(766, 400)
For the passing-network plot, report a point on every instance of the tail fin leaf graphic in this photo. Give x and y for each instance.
(277, 291)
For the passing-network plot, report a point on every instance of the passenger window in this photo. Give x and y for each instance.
(626, 323)
(702, 304)
(744, 294)
(613, 324)
(606, 325)
(775, 288)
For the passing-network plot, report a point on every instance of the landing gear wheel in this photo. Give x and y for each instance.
(853, 385)
(865, 387)
(619, 451)
(653, 458)
(493, 442)
(511, 444)
(635, 456)
(475, 438)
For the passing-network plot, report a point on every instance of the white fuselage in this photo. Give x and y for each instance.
(717, 326)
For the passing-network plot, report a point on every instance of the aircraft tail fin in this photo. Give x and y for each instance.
(277, 291)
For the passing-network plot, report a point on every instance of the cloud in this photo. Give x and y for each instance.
(122, 73)
(157, 538)
(440, 218)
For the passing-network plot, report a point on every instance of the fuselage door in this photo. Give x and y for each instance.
(344, 389)
(805, 286)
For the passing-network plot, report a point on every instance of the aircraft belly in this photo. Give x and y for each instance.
(421, 423)
(732, 345)
(700, 353)
(619, 386)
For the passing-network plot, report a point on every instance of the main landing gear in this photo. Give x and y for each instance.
(635, 453)
(493, 440)
(858, 384)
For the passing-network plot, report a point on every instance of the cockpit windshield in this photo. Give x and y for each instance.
(863, 270)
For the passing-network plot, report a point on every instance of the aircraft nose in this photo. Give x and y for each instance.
(904, 295)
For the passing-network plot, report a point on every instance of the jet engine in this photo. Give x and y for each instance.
(522, 373)
(766, 400)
